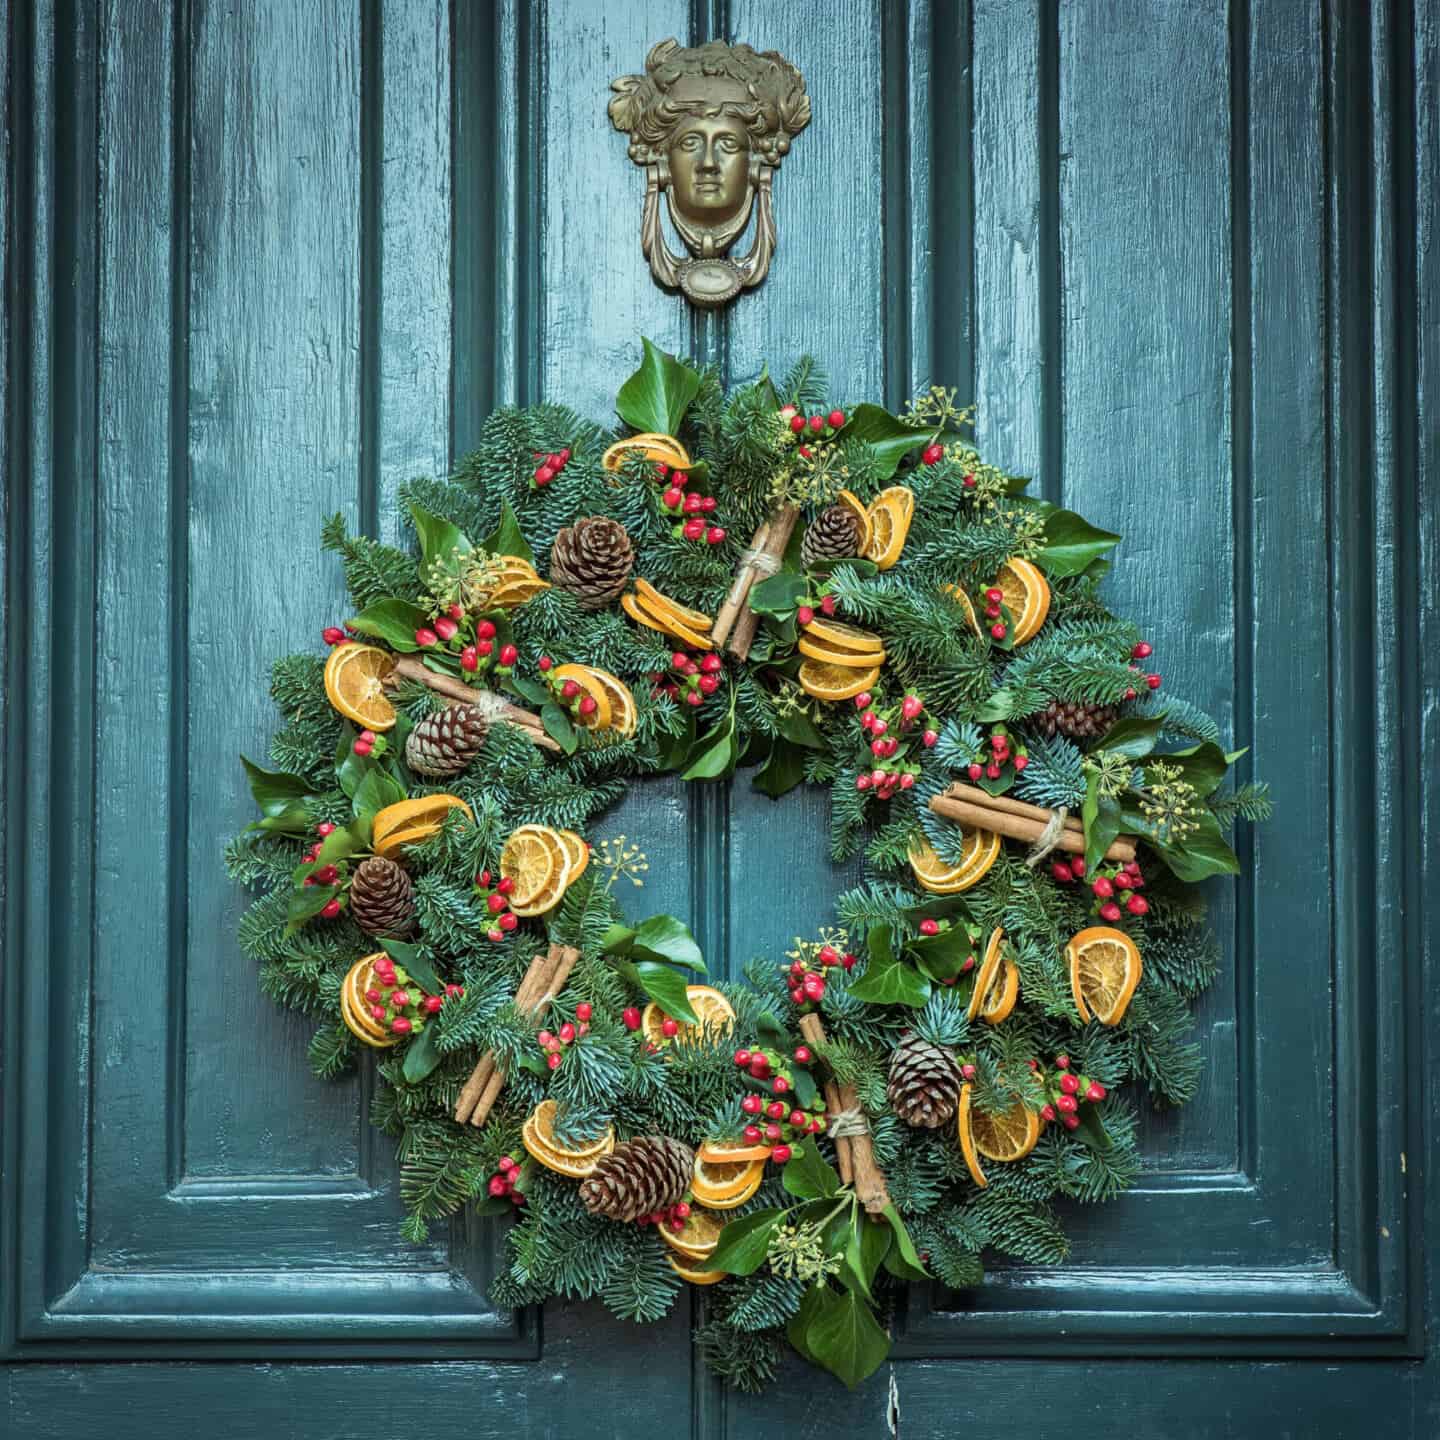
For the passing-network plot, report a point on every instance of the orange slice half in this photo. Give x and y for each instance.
(836, 635)
(963, 601)
(986, 975)
(661, 604)
(640, 612)
(409, 821)
(577, 852)
(1004, 1138)
(1105, 968)
(726, 1184)
(535, 859)
(827, 681)
(856, 507)
(663, 449)
(354, 685)
(623, 715)
(891, 512)
(845, 659)
(584, 677)
(575, 1162)
(693, 1276)
(1027, 597)
(724, 1152)
(979, 850)
(697, 1241)
(716, 1018)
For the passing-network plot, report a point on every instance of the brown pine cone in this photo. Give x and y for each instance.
(382, 901)
(1075, 719)
(651, 1172)
(833, 534)
(592, 559)
(447, 741)
(924, 1083)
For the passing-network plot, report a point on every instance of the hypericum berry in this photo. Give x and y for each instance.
(992, 771)
(588, 705)
(400, 1025)
(672, 498)
(862, 782)
(930, 738)
(968, 1071)
(742, 1057)
(333, 635)
(759, 1059)
(1070, 1083)
(495, 933)
(712, 664)
(1062, 1062)
(1077, 866)
(1110, 911)
(805, 614)
(692, 503)
(798, 1119)
(1102, 887)
(470, 659)
(1153, 681)
(693, 529)
(772, 1131)
(445, 627)
(932, 454)
(837, 419)
(669, 1027)
(330, 910)
(567, 1033)
(553, 1059)
(997, 631)
(797, 423)
(1062, 872)
(752, 1104)
(827, 955)
(929, 927)
(780, 1154)
(975, 771)
(709, 684)
(1131, 693)
(485, 630)
(1067, 1104)
(1072, 1122)
(827, 604)
(1047, 1111)
(1021, 761)
(1137, 905)
(863, 699)
(776, 1109)
(1096, 1092)
(779, 1084)
(694, 697)
(325, 828)
(498, 1185)
(495, 903)
(631, 1016)
(803, 1055)
(1142, 651)
(583, 1011)
(751, 1134)
(817, 423)
(433, 1004)
(847, 961)
(508, 654)
(326, 875)
(425, 637)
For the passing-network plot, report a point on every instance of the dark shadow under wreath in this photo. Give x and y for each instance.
(931, 1078)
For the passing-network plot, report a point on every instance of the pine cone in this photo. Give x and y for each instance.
(592, 559)
(924, 1083)
(382, 902)
(1075, 719)
(447, 741)
(832, 535)
(649, 1173)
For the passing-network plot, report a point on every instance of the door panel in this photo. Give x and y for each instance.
(266, 262)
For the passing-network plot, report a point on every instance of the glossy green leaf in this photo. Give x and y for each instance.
(1202, 853)
(903, 1243)
(656, 397)
(779, 596)
(808, 1175)
(744, 1243)
(891, 982)
(1134, 736)
(783, 770)
(377, 790)
(412, 961)
(394, 621)
(889, 438)
(1072, 544)
(275, 791)
(307, 901)
(439, 538)
(558, 727)
(668, 939)
(845, 1337)
(1204, 765)
(663, 984)
(714, 755)
(422, 1055)
(507, 538)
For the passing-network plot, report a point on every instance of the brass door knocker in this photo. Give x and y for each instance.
(710, 126)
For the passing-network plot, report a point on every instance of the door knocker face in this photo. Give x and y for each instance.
(709, 126)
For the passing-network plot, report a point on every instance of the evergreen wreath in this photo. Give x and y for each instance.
(933, 1077)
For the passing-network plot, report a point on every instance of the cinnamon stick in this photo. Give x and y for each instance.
(457, 692)
(976, 796)
(1017, 827)
(739, 587)
(814, 1032)
(525, 994)
(777, 539)
(869, 1180)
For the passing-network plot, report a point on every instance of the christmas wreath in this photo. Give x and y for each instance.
(823, 596)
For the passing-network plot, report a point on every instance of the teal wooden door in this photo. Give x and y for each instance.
(265, 261)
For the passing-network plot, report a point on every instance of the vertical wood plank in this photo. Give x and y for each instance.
(1145, 246)
(274, 426)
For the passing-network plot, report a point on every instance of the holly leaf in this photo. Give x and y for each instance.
(422, 1055)
(1134, 737)
(656, 397)
(412, 961)
(779, 596)
(783, 770)
(664, 985)
(558, 727)
(808, 1175)
(275, 791)
(507, 538)
(439, 538)
(844, 1337)
(1072, 544)
(889, 438)
(392, 620)
(665, 938)
(744, 1243)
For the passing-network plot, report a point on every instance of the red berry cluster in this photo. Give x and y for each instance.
(334, 635)
(395, 1005)
(673, 1219)
(1066, 1091)
(557, 1044)
(807, 982)
(504, 1181)
(991, 760)
(473, 641)
(995, 613)
(325, 874)
(549, 467)
(812, 427)
(367, 742)
(688, 679)
(496, 891)
(569, 696)
(689, 509)
(891, 727)
(823, 601)
(1141, 651)
(1109, 887)
(778, 1123)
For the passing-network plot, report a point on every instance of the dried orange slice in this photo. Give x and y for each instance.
(538, 1137)
(354, 676)
(716, 1017)
(661, 604)
(409, 821)
(891, 512)
(845, 659)
(577, 852)
(987, 974)
(623, 715)
(534, 858)
(1004, 1138)
(856, 506)
(663, 449)
(1105, 968)
(516, 592)
(999, 1000)
(697, 1241)
(724, 1152)
(639, 611)
(726, 1184)
(355, 1008)
(584, 677)
(963, 601)
(979, 850)
(826, 681)
(837, 635)
(1027, 597)
(693, 1276)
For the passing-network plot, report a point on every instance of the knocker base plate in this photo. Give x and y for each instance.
(711, 282)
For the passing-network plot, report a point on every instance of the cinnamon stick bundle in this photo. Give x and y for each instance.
(457, 692)
(969, 805)
(854, 1152)
(543, 981)
(769, 544)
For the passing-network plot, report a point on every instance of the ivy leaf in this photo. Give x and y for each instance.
(888, 981)
(507, 538)
(439, 538)
(865, 1247)
(1134, 737)
(743, 1244)
(797, 1330)
(377, 790)
(394, 621)
(904, 1245)
(343, 842)
(941, 956)
(275, 791)
(423, 1054)
(558, 727)
(845, 1337)
(1072, 544)
(783, 770)
(808, 1175)
(656, 397)
(714, 754)
(665, 938)
(409, 958)
(1102, 818)
(779, 596)
(1203, 765)
(891, 439)
(1202, 853)
(664, 985)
